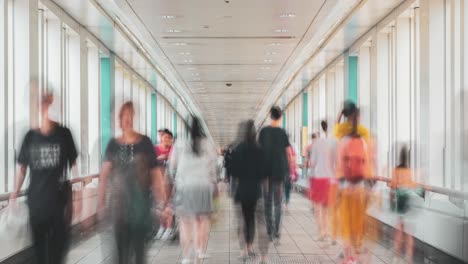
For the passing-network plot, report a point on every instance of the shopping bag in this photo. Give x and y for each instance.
(14, 223)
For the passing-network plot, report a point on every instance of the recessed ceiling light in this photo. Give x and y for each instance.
(282, 30)
(274, 44)
(195, 74)
(168, 17)
(259, 78)
(179, 43)
(196, 79)
(267, 60)
(287, 15)
(188, 60)
(271, 53)
(184, 53)
(173, 31)
(191, 69)
(264, 68)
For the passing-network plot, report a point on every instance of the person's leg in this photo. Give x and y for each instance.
(59, 239)
(240, 225)
(251, 223)
(278, 197)
(186, 235)
(268, 204)
(121, 232)
(263, 237)
(287, 191)
(409, 248)
(318, 212)
(39, 231)
(139, 245)
(204, 230)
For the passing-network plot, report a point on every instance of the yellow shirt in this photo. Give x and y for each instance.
(344, 129)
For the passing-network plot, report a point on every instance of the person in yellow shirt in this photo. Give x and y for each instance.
(353, 172)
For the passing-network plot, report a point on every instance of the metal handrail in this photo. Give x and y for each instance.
(431, 188)
(86, 179)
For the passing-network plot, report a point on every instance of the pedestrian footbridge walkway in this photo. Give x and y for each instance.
(297, 244)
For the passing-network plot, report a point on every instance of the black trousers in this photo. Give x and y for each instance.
(248, 213)
(51, 238)
(131, 243)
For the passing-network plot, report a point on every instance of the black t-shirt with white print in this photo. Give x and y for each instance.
(48, 158)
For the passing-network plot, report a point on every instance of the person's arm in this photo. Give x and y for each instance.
(158, 186)
(23, 161)
(103, 179)
(19, 181)
(340, 115)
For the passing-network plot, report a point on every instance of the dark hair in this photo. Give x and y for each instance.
(351, 112)
(168, 132)
(403, 157)
(47, 98)
(196, 135)
(275, 113)
(349, 108)
(314, 135)
(249, 132)
(126, 106)
(324, 125)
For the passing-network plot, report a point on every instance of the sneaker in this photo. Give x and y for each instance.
(351, 260)
(203, 255)
(167, 234)
(185, 261)
(159, 234)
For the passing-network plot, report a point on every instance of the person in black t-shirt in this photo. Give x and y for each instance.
(130, 165)
(48, 152)
(275, 146)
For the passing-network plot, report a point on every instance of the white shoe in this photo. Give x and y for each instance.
(167, 234)
(185, 261)
(159, 234)
(203, 255)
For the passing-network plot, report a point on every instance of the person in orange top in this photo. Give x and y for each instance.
(353, 176)
(402, 185)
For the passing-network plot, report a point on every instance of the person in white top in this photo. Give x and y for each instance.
(193, 164)
(322, 160)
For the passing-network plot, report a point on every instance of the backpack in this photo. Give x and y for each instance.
(353, 158)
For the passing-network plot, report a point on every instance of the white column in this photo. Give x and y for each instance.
(403, 81)
(84, 114)
(383, 99)
(364, 84)
(339, 91)
(3, 95)
(464, 85)
(74, 92)
(94, 123)
(54, 66)
(436, 97)
(331, 97)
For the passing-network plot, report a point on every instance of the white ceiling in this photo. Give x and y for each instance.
(243, 43)
(262, 47)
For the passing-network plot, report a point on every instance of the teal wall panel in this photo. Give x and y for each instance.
(106, 102)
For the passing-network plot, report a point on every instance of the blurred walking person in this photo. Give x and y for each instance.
(162, 151)
(402, 185)
(354, 172)
(322, 160)
(274, 143)
(193, 164)
(48, 152)
(130, 165)
(293, 177)
(247, 171)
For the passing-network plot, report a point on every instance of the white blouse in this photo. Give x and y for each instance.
(190, 169)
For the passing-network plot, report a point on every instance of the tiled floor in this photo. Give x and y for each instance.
(297, 243)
